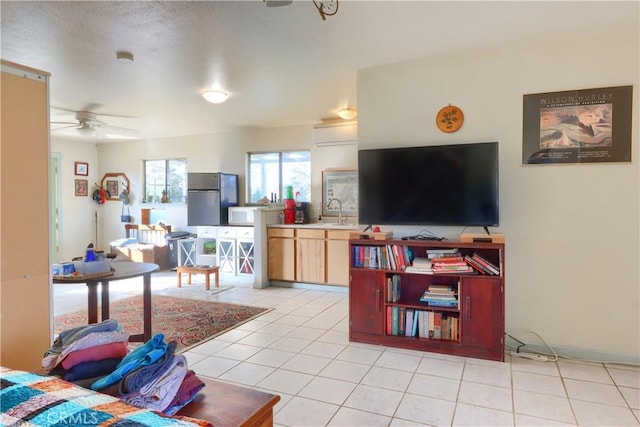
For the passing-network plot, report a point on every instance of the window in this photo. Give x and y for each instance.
(270, 173)
(168, 177)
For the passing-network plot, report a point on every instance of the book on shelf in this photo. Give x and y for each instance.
(408, 328)
(437, 325)
(437, 253)
(477, 266)
(446, 289)
(420, 266)
(443, 304)
(456, 269)
(414, 331)
(395, 313)
(486, 263)
(394, 286)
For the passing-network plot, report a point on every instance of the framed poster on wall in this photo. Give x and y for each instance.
(342, 185)
(578, 126)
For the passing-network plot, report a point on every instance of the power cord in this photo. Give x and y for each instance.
(555, 356)
(424, 234)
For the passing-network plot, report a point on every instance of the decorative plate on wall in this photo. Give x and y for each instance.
(449, 119)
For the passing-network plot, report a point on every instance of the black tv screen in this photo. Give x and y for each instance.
(431, 185)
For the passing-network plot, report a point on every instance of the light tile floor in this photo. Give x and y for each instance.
(300, 350)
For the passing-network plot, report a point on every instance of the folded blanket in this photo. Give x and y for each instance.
(137, 379)
(96, 368)
(188, 390)
(69, 336)
(114, 350)
(159, 394)
(144, 355)
(91, 340)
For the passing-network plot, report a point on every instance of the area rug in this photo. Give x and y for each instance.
(187, 321)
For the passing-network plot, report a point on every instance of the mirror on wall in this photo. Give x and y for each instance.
(116, 184)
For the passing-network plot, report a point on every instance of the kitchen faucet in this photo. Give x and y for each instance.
(340, 218)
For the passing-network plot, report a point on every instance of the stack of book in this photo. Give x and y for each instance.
(440, 296)
(453, 264)
(420, 266)
(441, 252)
(482, 265)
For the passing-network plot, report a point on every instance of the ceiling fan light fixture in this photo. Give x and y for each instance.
(215, 96)
(347, 113)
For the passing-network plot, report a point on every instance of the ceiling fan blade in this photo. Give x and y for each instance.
(118, 128)
(68, 110)
(92, 106)
(68, 125)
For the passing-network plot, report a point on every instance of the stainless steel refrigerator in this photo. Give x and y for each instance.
(209, 196)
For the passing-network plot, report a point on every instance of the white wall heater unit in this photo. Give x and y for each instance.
(331, 134)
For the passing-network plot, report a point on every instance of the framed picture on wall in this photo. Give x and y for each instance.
(578, 126)
(339, 186)
(82, 168)
(82, 187)
(112, 188)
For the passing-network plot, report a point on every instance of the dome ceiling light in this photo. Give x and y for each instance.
(215, 96)
(347, 113)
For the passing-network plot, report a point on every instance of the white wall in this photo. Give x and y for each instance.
(572, 230)
(222, 152)
(77, 213)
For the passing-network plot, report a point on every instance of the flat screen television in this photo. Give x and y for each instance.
(430, 185)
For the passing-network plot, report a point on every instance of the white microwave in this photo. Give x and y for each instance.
(242, 215)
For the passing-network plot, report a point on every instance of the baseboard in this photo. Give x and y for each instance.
(313, 286)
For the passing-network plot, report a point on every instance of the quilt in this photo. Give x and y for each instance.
(28, 399)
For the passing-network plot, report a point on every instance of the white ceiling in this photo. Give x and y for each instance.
(282, 65)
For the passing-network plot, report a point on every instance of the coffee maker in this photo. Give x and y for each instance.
(302, 213)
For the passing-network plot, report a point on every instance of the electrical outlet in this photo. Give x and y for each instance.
(532, 356)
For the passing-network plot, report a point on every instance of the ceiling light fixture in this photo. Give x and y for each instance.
(347, 113)
(215, 96)
(124, 57)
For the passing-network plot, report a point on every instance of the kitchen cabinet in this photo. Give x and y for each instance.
(232, 249)
(281, 254)
(226, 248)
(310, 255)
(337, 250)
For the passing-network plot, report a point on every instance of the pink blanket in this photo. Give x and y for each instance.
(106, 351)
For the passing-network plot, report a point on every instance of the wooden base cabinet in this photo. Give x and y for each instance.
(310, 255)
(281, 250)
(385, 307)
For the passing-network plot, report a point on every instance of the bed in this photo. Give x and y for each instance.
(33, 399)
(143, 243)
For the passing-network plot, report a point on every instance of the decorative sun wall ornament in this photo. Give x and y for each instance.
(449, 119)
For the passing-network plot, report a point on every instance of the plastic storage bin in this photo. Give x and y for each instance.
(93, 267)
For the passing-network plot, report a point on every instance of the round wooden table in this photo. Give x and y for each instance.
(121, 270)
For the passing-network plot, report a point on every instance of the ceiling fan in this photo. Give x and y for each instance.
(86, 123)
(325, 7)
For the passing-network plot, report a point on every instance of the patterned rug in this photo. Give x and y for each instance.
(186, 321)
